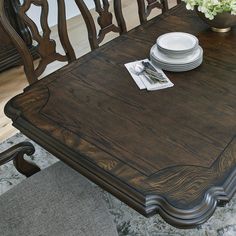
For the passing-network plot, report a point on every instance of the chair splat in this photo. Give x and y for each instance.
(105, 20)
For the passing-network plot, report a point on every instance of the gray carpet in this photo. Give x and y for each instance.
(128, 222)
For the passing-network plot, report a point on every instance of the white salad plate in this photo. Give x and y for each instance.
(176, 43)
(179, 55)
(164, 59)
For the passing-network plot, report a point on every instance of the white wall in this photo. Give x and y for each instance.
(71, 11)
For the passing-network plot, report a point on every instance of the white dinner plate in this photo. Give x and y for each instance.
(175, 65)
(177, 42)
(159, 56)
(177, 68)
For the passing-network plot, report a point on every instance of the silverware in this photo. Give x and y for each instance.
(152, 70)
(150, 73)
(139, 70)
(150, 78)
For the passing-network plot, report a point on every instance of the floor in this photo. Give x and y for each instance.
(13, 80)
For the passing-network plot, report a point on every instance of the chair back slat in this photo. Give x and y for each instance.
(46, 47)
(105, 20)
(146, 6)
(62, 31)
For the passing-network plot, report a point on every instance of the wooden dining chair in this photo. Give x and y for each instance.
(146, 6)
(46, 47)
(105, 20)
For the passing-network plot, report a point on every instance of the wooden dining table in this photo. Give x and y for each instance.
(172, 151)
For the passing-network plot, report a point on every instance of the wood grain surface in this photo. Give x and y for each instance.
(171, 152)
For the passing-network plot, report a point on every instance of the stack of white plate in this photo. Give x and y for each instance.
(176, 52)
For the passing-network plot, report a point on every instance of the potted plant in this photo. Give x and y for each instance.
(219, 14)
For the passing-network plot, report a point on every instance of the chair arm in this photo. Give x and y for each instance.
(16, 154)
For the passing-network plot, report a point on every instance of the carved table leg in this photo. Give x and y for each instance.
(16, 153)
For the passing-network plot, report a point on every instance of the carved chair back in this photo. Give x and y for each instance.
(105, 20)
(46, 47)
(146, 6)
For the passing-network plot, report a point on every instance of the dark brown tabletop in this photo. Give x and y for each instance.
(172, 151)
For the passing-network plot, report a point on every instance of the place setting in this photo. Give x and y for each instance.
(147, 76)
(174, 52)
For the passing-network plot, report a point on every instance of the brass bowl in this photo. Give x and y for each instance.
(221, 23)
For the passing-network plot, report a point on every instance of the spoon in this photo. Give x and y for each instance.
(139, 70)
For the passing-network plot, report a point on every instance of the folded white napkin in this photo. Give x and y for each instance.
(142, 82)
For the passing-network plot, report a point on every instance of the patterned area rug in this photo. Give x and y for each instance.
(129, 222)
